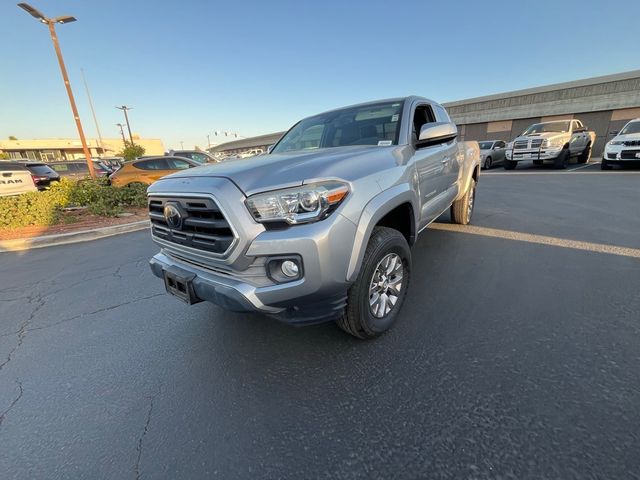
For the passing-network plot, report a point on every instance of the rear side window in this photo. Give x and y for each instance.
(177, 164)
(60, 167)
(155, 164)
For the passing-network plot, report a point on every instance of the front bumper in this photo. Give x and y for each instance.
(533, 154)
(324, 250)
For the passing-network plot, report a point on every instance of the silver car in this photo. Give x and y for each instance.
(492, 153)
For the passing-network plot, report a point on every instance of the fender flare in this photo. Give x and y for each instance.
(372, 213)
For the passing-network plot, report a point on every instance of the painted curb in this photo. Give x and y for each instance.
(72, 237)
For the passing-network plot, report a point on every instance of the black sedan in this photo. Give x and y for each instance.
(42, 174)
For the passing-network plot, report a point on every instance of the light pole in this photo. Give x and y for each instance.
(124, 108)
(124, 141)
(93, 112)
(51, 23)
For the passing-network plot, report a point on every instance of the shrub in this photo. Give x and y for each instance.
(45, 208)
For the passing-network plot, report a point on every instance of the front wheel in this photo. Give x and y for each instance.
(375, 299)
(509, 164)
(487, 163)
(562, 161)
(462, 209)
(585, 155)
(604, 165)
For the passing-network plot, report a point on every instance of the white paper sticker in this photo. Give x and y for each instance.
(394, 118)
(385, 143)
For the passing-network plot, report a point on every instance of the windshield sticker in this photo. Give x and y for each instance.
(385, 143)
(395, 118)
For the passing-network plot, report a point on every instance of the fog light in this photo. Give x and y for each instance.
(289, 268)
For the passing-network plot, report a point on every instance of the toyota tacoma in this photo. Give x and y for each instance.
(320, 227)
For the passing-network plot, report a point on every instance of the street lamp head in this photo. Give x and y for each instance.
(65, 19)
(34, 12)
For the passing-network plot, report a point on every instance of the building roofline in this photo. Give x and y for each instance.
(548, 88)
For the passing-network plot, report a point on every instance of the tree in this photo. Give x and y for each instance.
(131, 151)
(4, 156)
(11, 137)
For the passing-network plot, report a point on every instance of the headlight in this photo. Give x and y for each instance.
(616, 142)
(557, 142)
(307, 203)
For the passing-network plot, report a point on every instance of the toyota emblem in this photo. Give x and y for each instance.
(173, 216)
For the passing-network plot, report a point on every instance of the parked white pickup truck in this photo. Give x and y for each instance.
(15, 179)
(555, 141)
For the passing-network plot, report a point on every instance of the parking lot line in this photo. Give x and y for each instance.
(561, 172)
(539, 239)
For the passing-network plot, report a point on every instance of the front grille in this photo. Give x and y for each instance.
(203, 225)
(629, 154)
(631, 143)
(536, 143)
(520, 144)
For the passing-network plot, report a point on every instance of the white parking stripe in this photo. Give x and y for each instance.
(539, 239)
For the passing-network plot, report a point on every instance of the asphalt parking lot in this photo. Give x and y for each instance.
(517, 355)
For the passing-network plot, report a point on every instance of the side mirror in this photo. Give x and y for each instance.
(436, 133)
(580, 130)
(497, 147)
(270, 147)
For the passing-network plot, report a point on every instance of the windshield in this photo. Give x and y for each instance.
(486, 145)
(562, 126)
(629, 128)
(376, 124)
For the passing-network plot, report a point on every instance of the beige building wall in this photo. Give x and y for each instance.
(56, 149)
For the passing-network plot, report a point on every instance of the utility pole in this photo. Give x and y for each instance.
(93, 112)
(124, 108)
(181, 145)
(208, 142)
(51, 23)
(124, 140)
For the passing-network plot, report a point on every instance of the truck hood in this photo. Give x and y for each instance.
(628, 137)
(272, 171)
(545, 135)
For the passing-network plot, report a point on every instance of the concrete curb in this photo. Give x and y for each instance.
(72, 237)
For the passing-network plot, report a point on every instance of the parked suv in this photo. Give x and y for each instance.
(42, 174)
(555, 141)
(624, 148)
(320, 228)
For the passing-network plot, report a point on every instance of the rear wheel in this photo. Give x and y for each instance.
(510, 164)
(585, 155)
(462, 209)
(562, 160)
(487, 163)
(375, 299)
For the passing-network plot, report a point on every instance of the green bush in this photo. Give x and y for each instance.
(45, 208)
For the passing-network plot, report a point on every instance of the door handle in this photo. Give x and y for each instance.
(445, 160)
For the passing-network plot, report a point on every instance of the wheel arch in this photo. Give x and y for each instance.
(394, 208)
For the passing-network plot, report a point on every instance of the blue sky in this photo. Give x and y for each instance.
(191, 67)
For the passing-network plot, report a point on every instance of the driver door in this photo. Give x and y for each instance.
(430, 163)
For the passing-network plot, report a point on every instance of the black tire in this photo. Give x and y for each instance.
(462, 209)
(585, 155)
(358, 319)
(562, 161)
(487, 163)
(538, 162)
(510, 164)
(604, 165)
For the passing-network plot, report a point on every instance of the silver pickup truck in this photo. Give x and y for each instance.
(555, 141)
(319, 228)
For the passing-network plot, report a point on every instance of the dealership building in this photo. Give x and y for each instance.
(603, 104)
